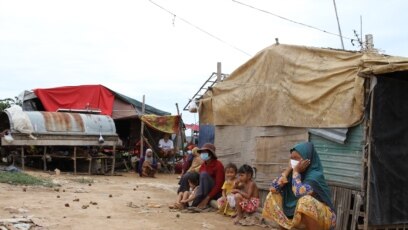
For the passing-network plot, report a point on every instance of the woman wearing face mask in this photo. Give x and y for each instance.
(211, 177)
(300, 196)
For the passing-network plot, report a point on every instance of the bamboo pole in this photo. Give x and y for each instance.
(142, 127)
(180, 130)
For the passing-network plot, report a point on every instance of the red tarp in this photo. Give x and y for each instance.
(193, 127)
(77, 97)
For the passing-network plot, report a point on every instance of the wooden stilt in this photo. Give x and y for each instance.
(44, 158)
(75, 165)
(113, 160)
(22, 158)
(90, 165)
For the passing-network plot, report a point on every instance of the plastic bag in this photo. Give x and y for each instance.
(192, 107)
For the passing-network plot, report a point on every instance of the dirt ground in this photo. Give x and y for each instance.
(110, 202)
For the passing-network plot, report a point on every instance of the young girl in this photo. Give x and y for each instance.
(226, 203)
(247, 196)
(185, 199)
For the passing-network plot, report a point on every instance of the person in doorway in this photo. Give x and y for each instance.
(300, 196)
(211, 177)
(166, 146)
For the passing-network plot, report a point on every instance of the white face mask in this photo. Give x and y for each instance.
(293, 163)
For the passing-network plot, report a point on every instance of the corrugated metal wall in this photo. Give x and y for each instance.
(342, 163)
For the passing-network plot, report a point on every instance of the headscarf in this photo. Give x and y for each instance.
(313, 176)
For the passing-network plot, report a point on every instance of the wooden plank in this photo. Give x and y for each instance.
(44, 158)
(47, 142)
(356, 210)
(75, 166)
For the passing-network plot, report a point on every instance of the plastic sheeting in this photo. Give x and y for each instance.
(296, 86)
(206, 135)
(389, 156)
(77, 97)
(21, 122)
(166, 124)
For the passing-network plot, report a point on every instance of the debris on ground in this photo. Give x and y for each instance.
(18, 223)
(132, 205)
(14, 210)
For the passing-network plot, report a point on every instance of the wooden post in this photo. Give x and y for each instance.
(113, 160)
(219, 71)
(44, 158)
(338, 24)
(90, 164)
(75, 166)
(22, 157)
(180, 130)
(142, 128)
(370, 133)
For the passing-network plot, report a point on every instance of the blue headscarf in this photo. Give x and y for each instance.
(313, 176)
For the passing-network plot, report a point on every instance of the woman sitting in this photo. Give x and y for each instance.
(300, 196)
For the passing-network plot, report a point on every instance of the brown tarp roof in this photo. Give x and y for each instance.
(296, 86)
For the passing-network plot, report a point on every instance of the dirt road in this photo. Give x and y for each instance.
(108, 202)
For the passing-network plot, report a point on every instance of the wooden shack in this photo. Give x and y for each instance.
(351, 105)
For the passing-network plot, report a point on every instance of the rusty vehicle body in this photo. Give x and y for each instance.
(51, 130)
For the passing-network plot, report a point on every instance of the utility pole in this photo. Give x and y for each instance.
(338, 24)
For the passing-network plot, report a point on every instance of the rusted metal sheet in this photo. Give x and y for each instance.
(71, 123)
(60, 128)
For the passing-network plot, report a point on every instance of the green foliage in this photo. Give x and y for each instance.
(7, 102)
(23, 179)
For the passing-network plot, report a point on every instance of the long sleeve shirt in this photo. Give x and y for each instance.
(216, 171)
(299, 189)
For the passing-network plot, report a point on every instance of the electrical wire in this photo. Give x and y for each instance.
(290, 20)
(200, 29)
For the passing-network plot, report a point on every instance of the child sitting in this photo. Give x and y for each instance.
(226, 203)
(247, 197)
(185, 199)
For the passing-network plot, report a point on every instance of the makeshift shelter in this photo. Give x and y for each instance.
(351, 105)
(97, 99)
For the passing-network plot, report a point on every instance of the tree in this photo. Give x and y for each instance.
(6, 103)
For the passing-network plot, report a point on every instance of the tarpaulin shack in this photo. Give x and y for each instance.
(99, 99)
(26, 129)
(351, 105)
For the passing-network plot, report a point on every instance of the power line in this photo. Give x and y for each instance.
(290, 20)
(200, 29)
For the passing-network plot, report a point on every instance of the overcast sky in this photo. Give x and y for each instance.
(136, 48)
